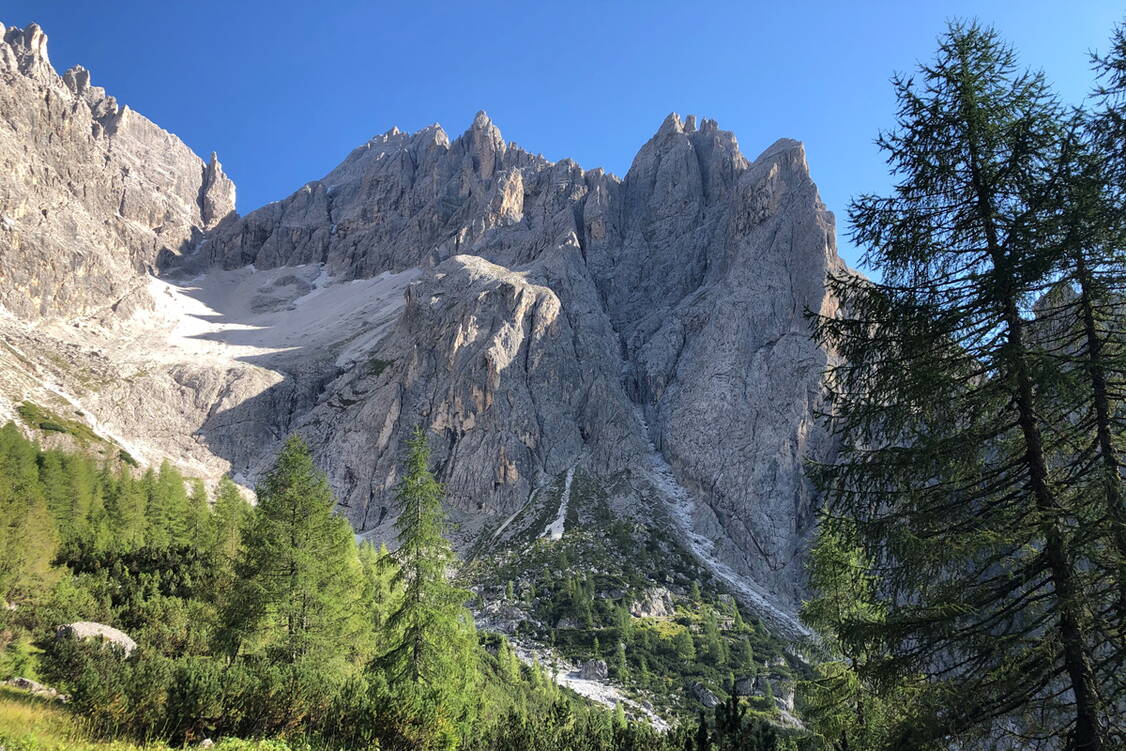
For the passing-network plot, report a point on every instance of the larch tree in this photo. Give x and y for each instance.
(948, 474)
(166, 507)
(28, 537)
(125, 505)
(299, 592)
(229, 513)
(1103, 314)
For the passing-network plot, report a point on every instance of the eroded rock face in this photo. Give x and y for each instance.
(513, 390)
(91, 193)
(653, 603)
(532, 316)
(571, 317)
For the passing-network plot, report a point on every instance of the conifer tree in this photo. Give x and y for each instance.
(621, 664)
(87, 510)
(1094, 198)
(508, 662)
(432, 658)
(530, 594)
(229, 514)
(166, 507)
(58, 493)
(197, 515)
(378, 569)
(844, 710)
(300, 587)
(1080, 331)
(125, 507)
(28, 537)
(684, 645)
(946, 474)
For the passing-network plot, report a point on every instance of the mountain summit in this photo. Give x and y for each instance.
(535, 318)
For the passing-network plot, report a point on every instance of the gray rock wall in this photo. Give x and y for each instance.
(557, 317)
(91, 193)
(559, 304)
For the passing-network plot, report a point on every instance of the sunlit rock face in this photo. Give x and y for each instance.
(531, 316)
(676, 293)
(91, 193)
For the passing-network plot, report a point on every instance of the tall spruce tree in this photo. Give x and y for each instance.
(431, 664)
(946, 473)
(300, 586)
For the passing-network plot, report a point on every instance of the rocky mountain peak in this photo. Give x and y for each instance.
(27, 49)
(532, 316)
(482, 122)
(217, 193)
(99, 194)
(484, 145)
(672, 124)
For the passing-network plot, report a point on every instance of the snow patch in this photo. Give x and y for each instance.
(554, 531)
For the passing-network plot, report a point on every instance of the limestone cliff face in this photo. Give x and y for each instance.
(91, 193)
(532, 316)
(571, 317)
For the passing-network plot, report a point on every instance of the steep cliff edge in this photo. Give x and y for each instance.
(91, 193)
(664, 308)
(533, 316)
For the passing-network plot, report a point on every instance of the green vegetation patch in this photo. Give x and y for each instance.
(575, 594)
(44, 419)
(377, 366)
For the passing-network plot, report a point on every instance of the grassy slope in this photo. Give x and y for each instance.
(31, 723)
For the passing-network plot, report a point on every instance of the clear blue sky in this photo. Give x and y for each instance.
(284, 89)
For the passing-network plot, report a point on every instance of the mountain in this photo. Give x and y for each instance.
(536, 318)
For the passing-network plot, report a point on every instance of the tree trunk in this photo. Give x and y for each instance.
(1086, 735)
(1101, 399)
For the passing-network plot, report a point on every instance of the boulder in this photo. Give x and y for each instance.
(33, 687)
(594, 670)
(100, 631)
(655, 602)
(704, 695)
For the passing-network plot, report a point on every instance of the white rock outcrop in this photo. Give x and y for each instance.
(89, 630)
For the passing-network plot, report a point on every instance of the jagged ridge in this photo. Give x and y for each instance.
(557, 317)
